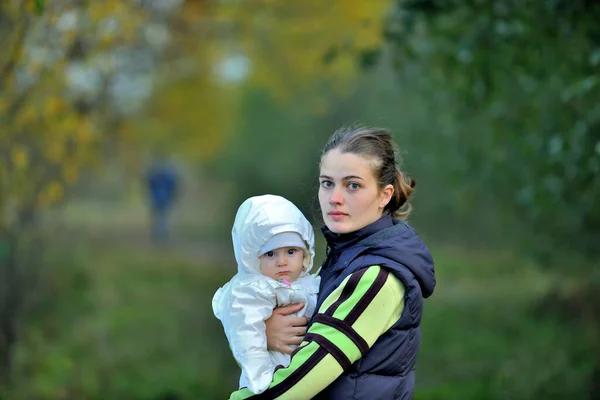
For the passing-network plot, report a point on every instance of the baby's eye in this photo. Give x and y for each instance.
(291, 252)
(269, 254)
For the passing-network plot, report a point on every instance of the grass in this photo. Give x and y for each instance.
(125, 320)
(126, 324)
(481, 339)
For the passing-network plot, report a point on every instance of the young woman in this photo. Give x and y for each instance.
(363, 341)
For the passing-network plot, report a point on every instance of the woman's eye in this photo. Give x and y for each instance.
(353, 186)
(326, 184)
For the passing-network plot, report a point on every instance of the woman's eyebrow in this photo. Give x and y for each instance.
(349, 177)
(345, 178)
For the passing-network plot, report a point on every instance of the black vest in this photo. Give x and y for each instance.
(387, 370)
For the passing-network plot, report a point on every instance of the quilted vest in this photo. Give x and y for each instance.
(387, 370)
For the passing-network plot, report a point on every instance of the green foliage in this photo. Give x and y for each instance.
(124, 325)
(519, 83)
(512, 89)
(274, 150)
(39, 6)
(481, 339)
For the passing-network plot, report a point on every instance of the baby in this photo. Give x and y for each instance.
(274, 248)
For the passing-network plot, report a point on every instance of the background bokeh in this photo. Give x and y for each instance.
(494, 104)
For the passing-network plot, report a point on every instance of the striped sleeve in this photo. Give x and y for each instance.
(348, 323)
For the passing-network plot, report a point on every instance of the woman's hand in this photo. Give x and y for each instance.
(283, 330)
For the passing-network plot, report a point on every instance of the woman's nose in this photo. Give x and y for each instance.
(336, 197)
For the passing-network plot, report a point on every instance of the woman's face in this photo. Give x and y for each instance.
(349, 194)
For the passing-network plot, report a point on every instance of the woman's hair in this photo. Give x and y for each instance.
(376, 145)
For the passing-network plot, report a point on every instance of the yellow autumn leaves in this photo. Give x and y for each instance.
(306, 50)
(289, 48)
(46, 140)
(301, 46)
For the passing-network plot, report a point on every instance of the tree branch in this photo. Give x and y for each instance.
(12, 54)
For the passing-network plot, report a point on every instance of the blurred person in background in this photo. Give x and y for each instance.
(363, 341)
(162, 182)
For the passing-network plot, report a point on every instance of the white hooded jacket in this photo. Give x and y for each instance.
(248, 299)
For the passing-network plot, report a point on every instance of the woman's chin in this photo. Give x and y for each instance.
(339, 227)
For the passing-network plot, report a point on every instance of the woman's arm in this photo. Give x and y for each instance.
(348, 323)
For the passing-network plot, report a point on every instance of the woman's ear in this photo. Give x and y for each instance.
(386, 195)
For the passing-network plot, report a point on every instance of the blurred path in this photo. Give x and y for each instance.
(200, 222)
(209, 250)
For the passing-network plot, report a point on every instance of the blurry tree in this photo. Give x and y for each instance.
(298, 47)
(70, 72)
(519, 83)
(192, 111)
(292, 61)
(74, 75)
(526, 75)
(293, 50)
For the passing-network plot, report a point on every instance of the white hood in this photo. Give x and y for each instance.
(261, 217)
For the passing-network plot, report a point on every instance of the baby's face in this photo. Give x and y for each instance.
(282, 263)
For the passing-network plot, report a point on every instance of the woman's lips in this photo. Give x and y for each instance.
(336, 215)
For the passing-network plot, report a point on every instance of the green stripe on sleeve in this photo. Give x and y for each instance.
(334, 296)
(365, 283)
(339, 339)
(296, 362)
